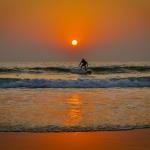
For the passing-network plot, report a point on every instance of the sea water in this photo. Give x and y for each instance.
(52, 97)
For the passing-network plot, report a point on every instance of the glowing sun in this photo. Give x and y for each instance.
(74, 42)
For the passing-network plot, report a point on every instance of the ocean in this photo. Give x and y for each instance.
(58, 97)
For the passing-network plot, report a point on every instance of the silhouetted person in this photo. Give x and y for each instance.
(84, 64)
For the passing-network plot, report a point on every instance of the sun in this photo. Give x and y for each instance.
(74, 42)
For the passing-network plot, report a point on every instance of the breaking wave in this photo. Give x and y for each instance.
(33, 70)
(79, 83)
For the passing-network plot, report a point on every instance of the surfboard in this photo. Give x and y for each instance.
(88, 71)
(81, 71)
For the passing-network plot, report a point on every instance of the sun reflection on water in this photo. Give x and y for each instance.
(75, 113)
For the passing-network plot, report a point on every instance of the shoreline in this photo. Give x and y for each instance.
(137, 139)
(69, 130)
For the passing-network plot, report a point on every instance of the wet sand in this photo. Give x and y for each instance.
(104, 140)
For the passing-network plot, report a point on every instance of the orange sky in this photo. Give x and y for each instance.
(107, 30)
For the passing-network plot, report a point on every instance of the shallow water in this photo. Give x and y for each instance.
(42, 110)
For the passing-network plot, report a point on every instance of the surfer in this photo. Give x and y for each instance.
(83, 63)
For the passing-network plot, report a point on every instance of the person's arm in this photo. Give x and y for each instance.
(80, 64)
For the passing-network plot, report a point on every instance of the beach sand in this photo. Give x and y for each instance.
(104, 140)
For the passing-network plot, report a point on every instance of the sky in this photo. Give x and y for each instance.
(106, 30)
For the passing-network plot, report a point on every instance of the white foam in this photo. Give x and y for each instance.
(79, 83)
